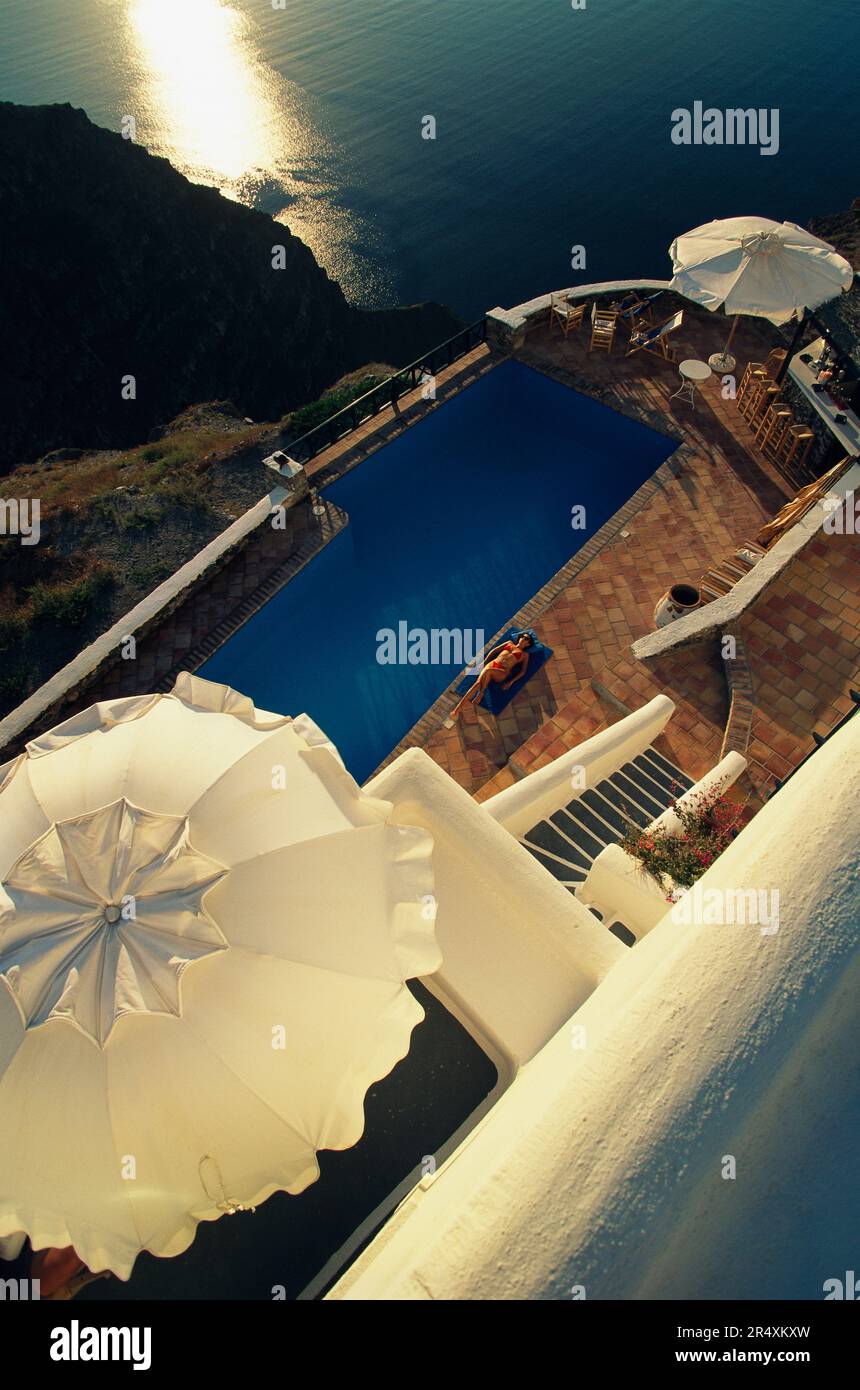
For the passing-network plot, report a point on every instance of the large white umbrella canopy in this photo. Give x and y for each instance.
(205, 932)
(751, 265)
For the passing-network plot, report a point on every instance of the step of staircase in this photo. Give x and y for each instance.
(567, 842)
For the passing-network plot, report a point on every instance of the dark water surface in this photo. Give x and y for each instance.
(553, 124)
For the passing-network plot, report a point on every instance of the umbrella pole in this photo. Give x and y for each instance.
(723, 361)
(798, 330)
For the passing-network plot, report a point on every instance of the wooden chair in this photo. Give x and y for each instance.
(567, 316)
(603, 324)
(755, 371)
(721, 578)
(767, 422)
(772, 425)
(772, 444)
(774, 361)
(748, 554)
(794, 451)
(656, 340)
(762, 394)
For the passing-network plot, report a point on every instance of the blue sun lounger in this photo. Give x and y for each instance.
(635, 311)
(495, 699)
(656, 340)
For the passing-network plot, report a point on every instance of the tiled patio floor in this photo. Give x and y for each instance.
(802, 638)
(719, 497)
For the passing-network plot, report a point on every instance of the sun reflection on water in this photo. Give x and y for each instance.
(211, 105)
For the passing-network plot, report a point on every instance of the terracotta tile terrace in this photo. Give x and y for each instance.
(802, 636)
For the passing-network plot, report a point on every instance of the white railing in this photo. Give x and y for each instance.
(546, 791)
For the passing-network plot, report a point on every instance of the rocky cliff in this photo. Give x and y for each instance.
(113, 266)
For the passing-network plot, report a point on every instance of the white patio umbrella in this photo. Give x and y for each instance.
(751, 265)
(205, 932)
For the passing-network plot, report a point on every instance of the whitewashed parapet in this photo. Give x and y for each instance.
(519, 954)
(714, 783)
(508, 326)
(720, 615)
(106, 648)
(544, 792)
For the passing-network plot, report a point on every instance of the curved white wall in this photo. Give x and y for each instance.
(618, 886)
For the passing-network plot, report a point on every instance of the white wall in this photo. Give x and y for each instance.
(602, 1166)
(520, 954)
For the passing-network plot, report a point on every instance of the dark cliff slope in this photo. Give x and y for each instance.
(113, 264)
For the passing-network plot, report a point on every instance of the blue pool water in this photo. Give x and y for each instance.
(455, 525)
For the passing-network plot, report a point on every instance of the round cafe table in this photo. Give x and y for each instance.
(692, 373)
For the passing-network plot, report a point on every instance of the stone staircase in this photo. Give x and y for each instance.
(568, 842)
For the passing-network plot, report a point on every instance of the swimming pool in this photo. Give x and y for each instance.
(454, 526)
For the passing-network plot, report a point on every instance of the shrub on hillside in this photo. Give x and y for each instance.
(70, 604)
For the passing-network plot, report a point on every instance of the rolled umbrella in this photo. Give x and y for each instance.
(205, 932)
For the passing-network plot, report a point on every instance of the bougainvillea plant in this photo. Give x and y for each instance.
(708, 823)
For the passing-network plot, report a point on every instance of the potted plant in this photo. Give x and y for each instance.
(675, 858)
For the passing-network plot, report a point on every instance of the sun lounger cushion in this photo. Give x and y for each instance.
(496, 699)
(649, 334)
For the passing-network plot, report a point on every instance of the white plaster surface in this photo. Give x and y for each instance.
(602, 1166)
(544, 792)
(519, 953)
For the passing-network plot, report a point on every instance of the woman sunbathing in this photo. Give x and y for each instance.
(506, 663)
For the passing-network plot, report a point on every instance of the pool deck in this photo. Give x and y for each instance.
(802, 637)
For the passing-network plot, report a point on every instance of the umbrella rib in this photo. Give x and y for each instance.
(323, 969)
(205, 1043)
(68, 964)
(126, 1188)
(140, 964)
(142, 926)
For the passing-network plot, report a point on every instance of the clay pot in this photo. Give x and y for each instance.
(680, 599)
